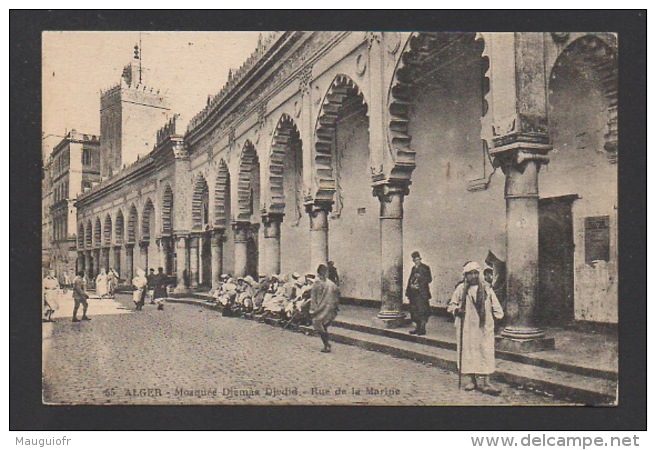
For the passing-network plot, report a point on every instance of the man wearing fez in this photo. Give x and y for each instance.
(475, 306)
(418, 292)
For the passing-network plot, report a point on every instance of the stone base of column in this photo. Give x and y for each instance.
(391, 319)
(524, 340)
(181, 291)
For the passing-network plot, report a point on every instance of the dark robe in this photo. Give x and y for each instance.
(159, 285)
(418, 292)
(332, 274)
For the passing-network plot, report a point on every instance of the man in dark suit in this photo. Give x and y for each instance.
(418, 292)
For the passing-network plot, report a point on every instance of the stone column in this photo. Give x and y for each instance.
(217, 256)
(167, 262)
(117, 259)
(88, 264)
(110, 258)
(318, 232)
(160, 254)
(521, 167)
(193, 261)
(391, 245)
(80, 262)
(272, 223)
(129, 263)
(241, 230)
(96, 262)
(181, 256)
(105, 259)
(143, 256)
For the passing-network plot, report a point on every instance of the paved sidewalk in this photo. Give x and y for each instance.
(189, 354)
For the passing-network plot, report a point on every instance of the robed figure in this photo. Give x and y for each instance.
(419, 295)
(475, 307)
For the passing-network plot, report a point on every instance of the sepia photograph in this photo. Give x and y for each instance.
(362, 218)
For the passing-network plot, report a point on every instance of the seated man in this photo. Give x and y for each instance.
(290, 294)
(301, 309)
(216, 295)
(271, 291)
(261, 289)
(275, 305)
(228, 292)
(247, 293)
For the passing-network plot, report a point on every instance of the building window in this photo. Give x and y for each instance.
(86, 157)
(86, 186)
(597, 239)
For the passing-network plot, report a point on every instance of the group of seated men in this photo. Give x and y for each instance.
(276, 296)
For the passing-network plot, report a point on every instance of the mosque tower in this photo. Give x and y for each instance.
(130, 115)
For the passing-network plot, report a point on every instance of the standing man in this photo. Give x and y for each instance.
(159, 288)
(50, 292)
(475, 306)
(151, 285)
(80, 296)
(418, 292)
(324, 305)
(332, 273)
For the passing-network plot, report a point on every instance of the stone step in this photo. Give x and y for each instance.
(567, 385)
(576, 388)
(531, 359)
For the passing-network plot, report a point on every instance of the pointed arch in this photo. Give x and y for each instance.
(595, 58)
(119, 228)
(249, 167)
(342, 94)
(167, 211)
(222, 195)
(107, 230)
(200, 204)
(286, 137)
(424, 55)
(133, 220)
(147, 220)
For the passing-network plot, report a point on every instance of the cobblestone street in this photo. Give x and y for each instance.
(191, 355)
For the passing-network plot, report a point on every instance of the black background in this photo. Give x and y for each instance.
(26, 410)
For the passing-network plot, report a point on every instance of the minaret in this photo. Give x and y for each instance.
(130, 115)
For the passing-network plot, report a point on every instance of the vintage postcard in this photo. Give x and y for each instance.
(330, 218)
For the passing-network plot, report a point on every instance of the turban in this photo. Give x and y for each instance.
(471, 266)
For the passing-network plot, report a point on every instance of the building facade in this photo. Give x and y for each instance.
(72, 168)
(361, 147)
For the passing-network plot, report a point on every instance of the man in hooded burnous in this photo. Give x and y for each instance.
(475, 307)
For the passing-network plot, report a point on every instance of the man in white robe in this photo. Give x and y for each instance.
(475, 304)
(101, 284)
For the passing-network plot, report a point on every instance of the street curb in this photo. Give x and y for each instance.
(500, 354)
(446, 361)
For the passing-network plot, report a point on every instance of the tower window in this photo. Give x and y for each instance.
(86, 157)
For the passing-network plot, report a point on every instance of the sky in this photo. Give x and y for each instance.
(189, 65)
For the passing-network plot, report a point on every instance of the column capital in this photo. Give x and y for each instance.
(181, 235)
(516, 153)
(218, 232)
(242, 225)
(270, 217)
(315, 206)
(388, 188)
(193, 240)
